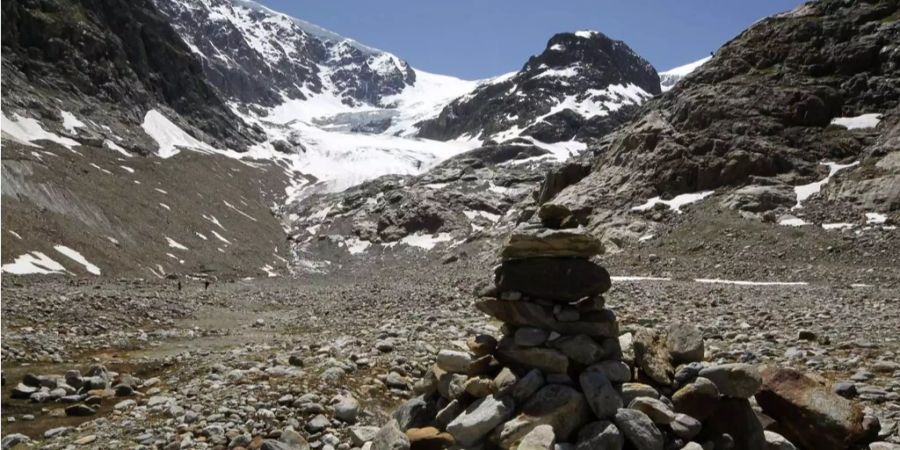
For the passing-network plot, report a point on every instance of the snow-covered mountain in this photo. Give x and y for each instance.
(668, 78)
(530, 122)
(334, 110)
(580, 87)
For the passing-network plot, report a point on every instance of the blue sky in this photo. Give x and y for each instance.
(481, 38)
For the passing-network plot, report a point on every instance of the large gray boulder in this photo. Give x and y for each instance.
(480, 418)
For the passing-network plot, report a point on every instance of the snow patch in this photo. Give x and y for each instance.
(675, 203)
(70, 122)
(174, 244)
(863, 121)
(426, 241)
(220, 237)
(77, 257)
(634, 278)
(792, 221)
(113, 146)
(239, 211)
(214, 220)
(750, 283)
(33, 263)
(26, 130)
(356, 245)
(170, 137)
(808, 190)
(837, 226)
(876, 218)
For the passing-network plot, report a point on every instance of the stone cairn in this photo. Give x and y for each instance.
(562, 377)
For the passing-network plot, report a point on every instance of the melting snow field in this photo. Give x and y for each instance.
(77, 257)
(675, 203)
(26, 130)
(33, 263)
(169, 136)
(870, 120)
(426, 241)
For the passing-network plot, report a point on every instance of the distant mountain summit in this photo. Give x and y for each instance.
(583, 84)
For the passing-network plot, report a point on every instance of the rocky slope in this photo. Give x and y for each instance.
(100, 98)
(755, 124)
(582, 85)
(87, 57)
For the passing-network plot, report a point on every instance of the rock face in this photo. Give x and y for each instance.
(809, 415)
(584, 84)
(112, 60)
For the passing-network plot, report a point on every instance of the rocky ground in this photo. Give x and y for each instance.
(331, 355)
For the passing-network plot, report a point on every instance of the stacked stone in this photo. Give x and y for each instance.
(561, 377)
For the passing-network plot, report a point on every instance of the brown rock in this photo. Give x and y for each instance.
(428, 438)
(698, 399)
(535, 241)
(595, 324)
(481, 344)
(809, 415)
(480, 387)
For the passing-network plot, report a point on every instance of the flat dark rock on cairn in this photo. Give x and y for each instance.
(562, 376)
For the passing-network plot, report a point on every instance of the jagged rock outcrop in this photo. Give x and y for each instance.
(820, 83)
(582, 85)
